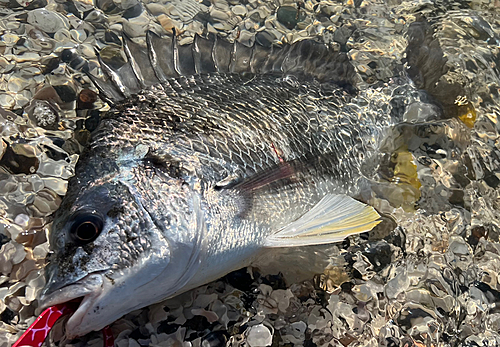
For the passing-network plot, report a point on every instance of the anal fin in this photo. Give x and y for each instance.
(331, 220)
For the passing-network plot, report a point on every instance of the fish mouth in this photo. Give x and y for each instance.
(85, 292)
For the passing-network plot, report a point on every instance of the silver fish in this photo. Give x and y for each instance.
(210, 155)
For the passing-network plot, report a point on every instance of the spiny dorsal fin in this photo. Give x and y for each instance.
(331, 220)
(165, 58)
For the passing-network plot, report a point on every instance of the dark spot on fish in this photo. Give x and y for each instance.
(67, 55)
(115, 211)
(88, 248)
(131, 238)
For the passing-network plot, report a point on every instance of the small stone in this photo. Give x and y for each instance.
(214, 339)
(289, 16)
(166, 22)
(264, 39)
(126, 4)
(259, 336)
(20, 158)
(136, 26)
(113, 56)
(219, 15)
(239, 10)
(156, 9)
(86, 99)
(17, 84)
(133, 11)
(256, 17)
(47, 21)
(223, 26)
(246, 38)
(66, 92)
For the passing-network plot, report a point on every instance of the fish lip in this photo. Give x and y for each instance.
(86, 288)
(81, 288)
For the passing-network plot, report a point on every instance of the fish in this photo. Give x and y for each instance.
(211, 153)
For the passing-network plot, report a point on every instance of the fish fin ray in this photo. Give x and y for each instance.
(260, 180)
(331, 220)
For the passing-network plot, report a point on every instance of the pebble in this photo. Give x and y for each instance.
(264, 38)
(259, 336)
(16, 84)
(135, 26)
(156, 9)
(47, 21)
(166, 22)
(7, 101)
(219, 15)
(223, 26)
(247, 38)
(289, 16)
(239, 10)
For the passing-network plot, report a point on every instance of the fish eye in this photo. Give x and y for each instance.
(86, 228)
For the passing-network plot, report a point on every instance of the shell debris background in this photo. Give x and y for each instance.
(428, 275)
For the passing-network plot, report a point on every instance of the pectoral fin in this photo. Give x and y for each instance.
(332, 219)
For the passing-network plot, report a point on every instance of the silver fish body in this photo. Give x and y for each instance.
(190, 178)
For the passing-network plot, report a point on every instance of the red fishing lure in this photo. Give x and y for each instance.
(36, 334)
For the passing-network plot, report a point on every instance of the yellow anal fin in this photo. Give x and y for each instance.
(331, 220)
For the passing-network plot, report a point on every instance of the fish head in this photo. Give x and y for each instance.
(117, 250)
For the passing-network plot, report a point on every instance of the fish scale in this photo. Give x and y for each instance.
(286, 124)
(191, 178)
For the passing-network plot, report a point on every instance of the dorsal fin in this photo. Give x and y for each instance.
(165, 58)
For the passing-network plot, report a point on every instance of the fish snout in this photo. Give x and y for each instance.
(55, 292)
